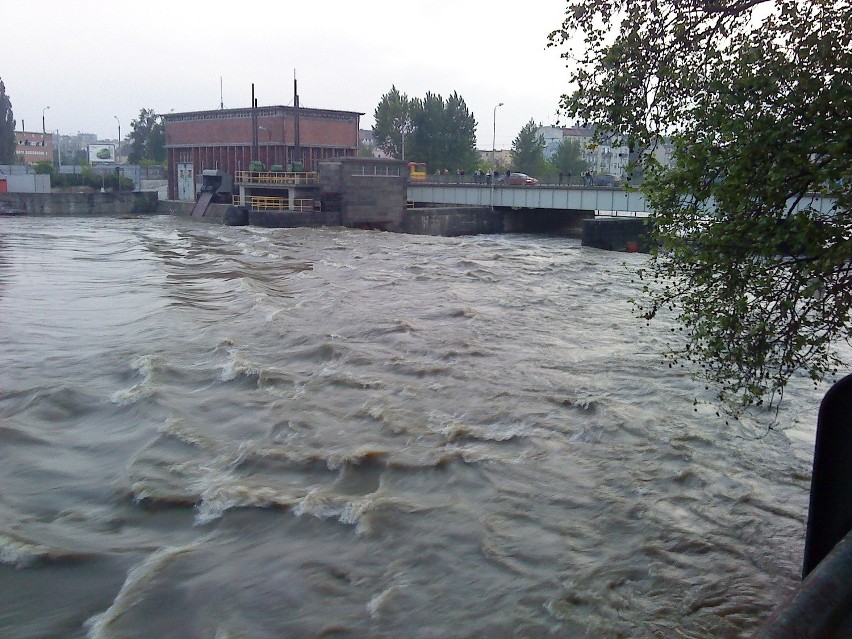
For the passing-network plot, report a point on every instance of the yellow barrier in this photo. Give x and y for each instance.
(266, 203)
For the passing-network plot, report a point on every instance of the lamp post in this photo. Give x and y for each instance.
(402, 130)
(118, 146)
(43, 131)
(494, 154)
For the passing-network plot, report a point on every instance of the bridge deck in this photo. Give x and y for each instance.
(594, 198)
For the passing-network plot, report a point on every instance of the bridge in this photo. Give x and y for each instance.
(602, 200)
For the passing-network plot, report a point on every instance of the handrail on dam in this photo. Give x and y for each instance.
(821, 607)
(267, 203)
(284, 178)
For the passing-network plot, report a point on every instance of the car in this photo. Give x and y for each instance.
(521, 179)
(606, 180)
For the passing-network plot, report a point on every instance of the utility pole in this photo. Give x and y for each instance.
(297, 151)
(494, 155)
(118, 146)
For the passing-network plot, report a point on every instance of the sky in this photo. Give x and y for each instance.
(96, 64)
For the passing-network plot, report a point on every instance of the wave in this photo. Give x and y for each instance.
(138, 579)
(11, 436)
(52, 404)
(178, 430)
(239, 367)
(223, 491)
(496, 432)
(21, 553)
(144, 366)
(323, 504)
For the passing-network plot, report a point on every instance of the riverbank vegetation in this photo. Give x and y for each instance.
(753, 97)
(439, 132)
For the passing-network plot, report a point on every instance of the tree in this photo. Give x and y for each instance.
(148, 138)
(460, 134)
(440, 133)
(365, 150)
(392, 119)
(7, 128)
(757, 110)
(568, 159)
(528, 150)
(428, 140)
(43, 167)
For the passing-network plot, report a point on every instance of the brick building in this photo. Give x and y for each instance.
(32, 147)
(223, 139)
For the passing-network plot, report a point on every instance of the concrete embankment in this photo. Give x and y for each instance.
(454, 221)
(618, 234)
(77, 204)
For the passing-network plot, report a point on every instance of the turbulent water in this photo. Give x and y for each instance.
(251, 433)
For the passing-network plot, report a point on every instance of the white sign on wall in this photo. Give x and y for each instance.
(101, 154)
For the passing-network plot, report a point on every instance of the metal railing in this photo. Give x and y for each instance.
(284, 178)
(267, 203)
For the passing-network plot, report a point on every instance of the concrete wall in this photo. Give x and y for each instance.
(214, 214)
(368, 192)
(616, 234)
(27, 183)
(452, 222)
(109, 203)
(160, 187)
(555, 221)
(294, 219)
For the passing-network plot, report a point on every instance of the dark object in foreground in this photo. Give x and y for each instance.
(830, 511)
(822, 605)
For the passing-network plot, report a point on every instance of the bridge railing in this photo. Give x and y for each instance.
(469, 179)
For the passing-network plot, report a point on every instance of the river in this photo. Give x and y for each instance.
(221, 432)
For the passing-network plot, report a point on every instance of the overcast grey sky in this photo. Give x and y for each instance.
(90, 61)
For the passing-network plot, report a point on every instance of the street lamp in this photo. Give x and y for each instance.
(402, 130)
(494, 154)
(118, 147)
(43, 131)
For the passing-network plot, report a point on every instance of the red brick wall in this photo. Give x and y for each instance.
(314, 130)
(224, 143)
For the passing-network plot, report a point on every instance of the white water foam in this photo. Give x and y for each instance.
(144, 366)
(19, 553)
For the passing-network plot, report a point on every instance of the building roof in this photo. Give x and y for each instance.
(216, 114)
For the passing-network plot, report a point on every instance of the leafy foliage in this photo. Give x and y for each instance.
(392, 117)
(148, 138)
(754, 265)
(7, 128)
(441, 133)
(43, 167)
(568, 158)
(528, 150)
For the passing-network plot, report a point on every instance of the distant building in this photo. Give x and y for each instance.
(500, 159)
(33, 147)
(604, 157)
(223, 139)
(365, 137)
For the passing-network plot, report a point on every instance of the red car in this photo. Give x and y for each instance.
(521, 179)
